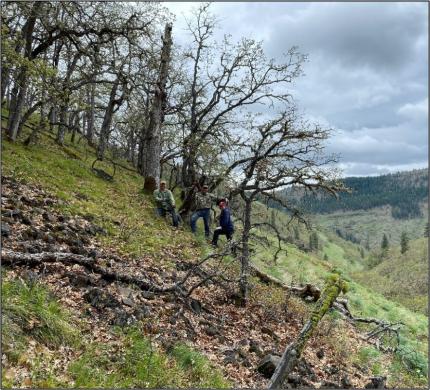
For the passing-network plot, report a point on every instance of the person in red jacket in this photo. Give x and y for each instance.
(226, 224)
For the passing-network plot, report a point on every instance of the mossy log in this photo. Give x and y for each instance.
(335, 285)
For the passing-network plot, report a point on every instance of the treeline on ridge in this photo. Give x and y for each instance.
(403, 191)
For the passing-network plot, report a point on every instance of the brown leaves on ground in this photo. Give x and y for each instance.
(233, 338)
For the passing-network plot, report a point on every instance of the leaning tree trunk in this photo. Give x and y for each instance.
(335, 285)
(27, 116)
(244, 266)
(152, 138)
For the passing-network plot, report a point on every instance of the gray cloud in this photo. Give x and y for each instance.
(367, 74)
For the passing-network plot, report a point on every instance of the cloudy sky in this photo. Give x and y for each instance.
(367, 74)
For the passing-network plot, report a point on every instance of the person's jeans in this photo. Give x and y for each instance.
(201, 213)
(220, 231)
(175, 218)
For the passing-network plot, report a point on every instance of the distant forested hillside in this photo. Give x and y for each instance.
(402, 191)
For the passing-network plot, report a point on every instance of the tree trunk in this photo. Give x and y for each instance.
(21, 81)
(244, 269)
(17, 103)
(75, 127)
(27, 115)
(52, 118)
(189, 174)
(107, 120)
(5, 80)
(63, 124)
(90, 114)
(292, 353)
(152, 138)
(65, 103)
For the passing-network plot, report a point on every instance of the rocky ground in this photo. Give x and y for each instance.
(103, 288)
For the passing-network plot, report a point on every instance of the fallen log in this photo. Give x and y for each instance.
(335, 285)
(33, 259)
(308, 290)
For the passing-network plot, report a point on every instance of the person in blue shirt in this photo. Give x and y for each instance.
(226, 224)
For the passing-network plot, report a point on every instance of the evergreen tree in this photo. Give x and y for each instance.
(384, 243)
(426, 230)
(325, 257)
(404, 243)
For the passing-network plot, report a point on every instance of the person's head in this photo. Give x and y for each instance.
(162, 185)
(222, 204)
(205, 189)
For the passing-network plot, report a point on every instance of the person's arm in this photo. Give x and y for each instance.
(157, 196)
(172, 199)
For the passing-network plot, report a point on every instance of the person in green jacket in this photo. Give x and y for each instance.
(166, 203)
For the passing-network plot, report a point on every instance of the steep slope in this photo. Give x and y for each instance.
(125, 335)
(402, 277)
(393, 291)
(367, 227)
(57, 210)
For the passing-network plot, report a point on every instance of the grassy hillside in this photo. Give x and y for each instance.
(403, 192)
(369, 226)
(38, 329)
(53, 342)
(393, 291)
(402, 277)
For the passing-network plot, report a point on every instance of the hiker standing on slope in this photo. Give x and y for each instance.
(204, 201)
(166, 203)
(226, 224)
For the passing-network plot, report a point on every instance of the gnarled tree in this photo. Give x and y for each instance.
(278, 153)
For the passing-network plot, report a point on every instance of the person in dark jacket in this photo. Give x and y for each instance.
(226, 224)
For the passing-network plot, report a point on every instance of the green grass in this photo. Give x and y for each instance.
(134, 229)
(200, 372)
(370, 358)
(300, 267)
(32, 315)
(408, 271)
(119, 206)
(137, 363)
(29, 310)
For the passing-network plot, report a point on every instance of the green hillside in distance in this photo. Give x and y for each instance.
(402, 277)
(367, 227)
(404, 192)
